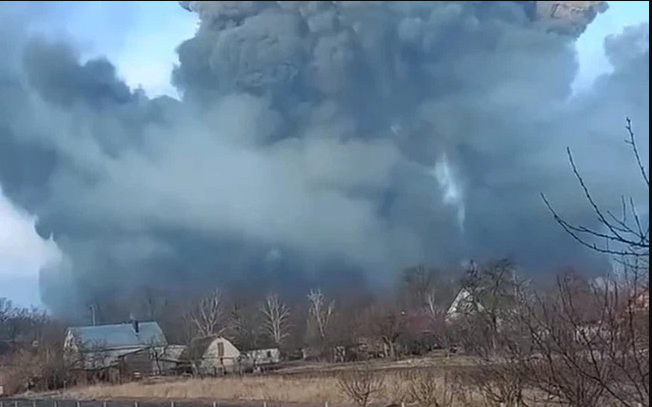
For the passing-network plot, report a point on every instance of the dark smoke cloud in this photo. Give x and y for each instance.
(315, 144)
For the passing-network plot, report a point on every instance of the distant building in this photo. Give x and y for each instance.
(263, 357)
(136, 348)
(641, 300)
(463, 304)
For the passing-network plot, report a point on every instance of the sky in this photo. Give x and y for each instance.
(140, 38)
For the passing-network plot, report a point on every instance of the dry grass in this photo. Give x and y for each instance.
(304, 384)
(306, 390)
(263, 388)
(433, 382)
(313, 385)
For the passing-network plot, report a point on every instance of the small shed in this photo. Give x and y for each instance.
(212, 355)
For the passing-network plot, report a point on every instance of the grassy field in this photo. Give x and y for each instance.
(428, 382)
(263, 388)
(272, 389)
(305, 385)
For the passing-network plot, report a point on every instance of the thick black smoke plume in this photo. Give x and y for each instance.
(317, 142)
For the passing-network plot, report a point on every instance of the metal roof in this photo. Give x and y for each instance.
(120, 336)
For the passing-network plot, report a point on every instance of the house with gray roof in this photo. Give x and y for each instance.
(94, 348)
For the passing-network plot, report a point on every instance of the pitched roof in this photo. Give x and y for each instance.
(197, 348)
(173, 353)
(463, 302)
(120, 336)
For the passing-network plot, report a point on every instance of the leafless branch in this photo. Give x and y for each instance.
(631, 140)
(320, 312)
(361, 384)
(276, 317)
(386, 323)
(619, 230)
(592, 344)
(207, 316)
(430, 390)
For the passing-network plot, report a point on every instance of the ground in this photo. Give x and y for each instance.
(304, 384)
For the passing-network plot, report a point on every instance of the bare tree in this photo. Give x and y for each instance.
(493, 292)
(208, 316)
(625, 235)
(5, 308)
(436, 302)
(595, 338)
(276, 316)
(361, 384)
(593, 344)
(320, 313)
(419, 285)
(6, 312)
(386, 323)
(37, 362)
(151, 302)
(430, 390)
(486, 323)
(244, 325)
(17, 325)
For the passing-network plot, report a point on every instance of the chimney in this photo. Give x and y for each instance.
(134, 324)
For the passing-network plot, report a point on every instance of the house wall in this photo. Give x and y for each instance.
(137, 363)
(221, 356)
(70, 350)
(264, 356)
(96, 360)
(69, 342)
(146, 362)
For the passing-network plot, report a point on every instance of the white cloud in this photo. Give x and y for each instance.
(590, 46)
(148, 57)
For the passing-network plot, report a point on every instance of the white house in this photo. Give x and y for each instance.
(212, 355)
(463, 304)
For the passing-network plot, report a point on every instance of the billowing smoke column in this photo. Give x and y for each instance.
(317, 142)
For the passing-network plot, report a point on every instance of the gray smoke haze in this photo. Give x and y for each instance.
(317, 142)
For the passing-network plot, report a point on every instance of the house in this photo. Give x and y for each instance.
(129, 348)
(463, 304)
(212, 355)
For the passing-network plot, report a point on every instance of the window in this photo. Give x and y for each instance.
(269, 354)
(220, 349)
